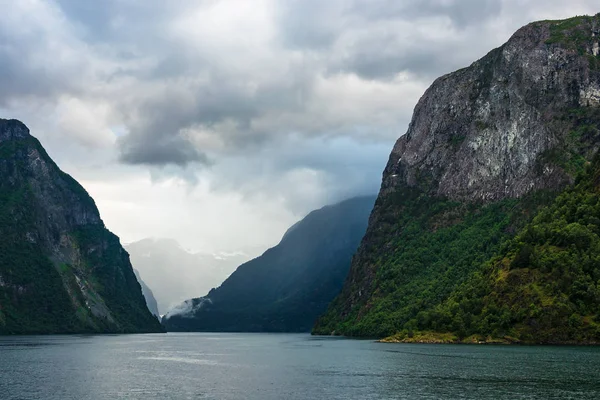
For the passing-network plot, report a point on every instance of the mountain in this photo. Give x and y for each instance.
(148, 295)
(286, 288)
(486, 225)
(61, 270)
(175, 274)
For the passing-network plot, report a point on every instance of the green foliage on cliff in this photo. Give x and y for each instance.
(573, 32)
(113, 282)
(427, 246)
(25, 270)
(61, 270)
(471, 272)
(544, 286)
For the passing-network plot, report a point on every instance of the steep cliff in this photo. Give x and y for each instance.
(61, 270)
(148, 295)
(488, 147)
(286, 288)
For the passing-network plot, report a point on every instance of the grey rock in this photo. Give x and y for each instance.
(478, 132)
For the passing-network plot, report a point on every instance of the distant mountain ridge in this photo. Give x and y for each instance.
(148, 295)
(287, 287)
(61, 270)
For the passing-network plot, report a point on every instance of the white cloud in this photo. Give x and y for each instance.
(88, 124)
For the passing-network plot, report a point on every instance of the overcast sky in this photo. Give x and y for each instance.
(221, 123)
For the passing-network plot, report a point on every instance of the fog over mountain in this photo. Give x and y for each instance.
(148, 295)
(175, 274)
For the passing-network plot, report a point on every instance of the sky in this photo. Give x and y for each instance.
(220, 123)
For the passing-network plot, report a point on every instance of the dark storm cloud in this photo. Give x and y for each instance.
(122, 20)
(309, 23)
(20, 79)
(382, 58)
(171, 150)
(205, 105)
(158, 134)
(461, 13)
(186, 85)
(24, 69)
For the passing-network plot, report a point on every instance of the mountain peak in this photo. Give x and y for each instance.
(11, 129)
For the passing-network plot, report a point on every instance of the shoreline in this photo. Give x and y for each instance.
(449, 338)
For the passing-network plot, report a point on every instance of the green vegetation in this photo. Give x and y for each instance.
(25, 270)
(114, 283)
(521, 270)
(573, 33)
(578, 145)
(39, 293)
(544, 286)
(428, 263)
(456, 140)
(525, 269)
(431, 246)
(422, 337)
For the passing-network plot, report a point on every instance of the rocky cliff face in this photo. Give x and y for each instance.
(520, 122)
(61, 270)
(480, 133)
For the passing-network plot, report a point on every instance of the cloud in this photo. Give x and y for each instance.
(308, 24)
(30, 67)
(169, 150)
(85, 123)
(303, 174)
(244, 74)
(461, 13)
(282, 105)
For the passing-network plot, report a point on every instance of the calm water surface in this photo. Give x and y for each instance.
(286, 366)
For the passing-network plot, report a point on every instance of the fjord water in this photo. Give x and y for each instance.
(286, 366)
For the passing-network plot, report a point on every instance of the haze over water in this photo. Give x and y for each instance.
(286, 366)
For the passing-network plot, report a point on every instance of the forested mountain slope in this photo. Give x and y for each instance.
(61, 270)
